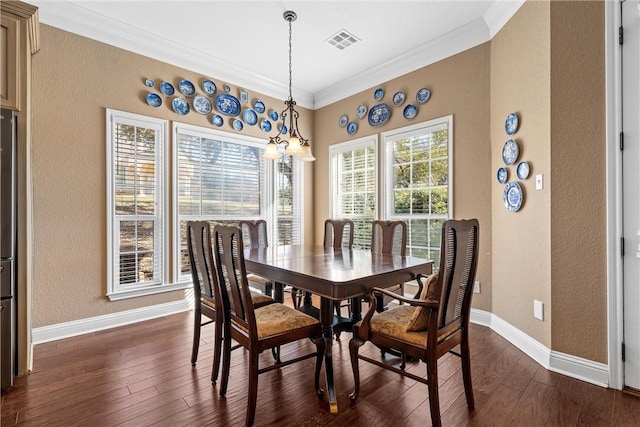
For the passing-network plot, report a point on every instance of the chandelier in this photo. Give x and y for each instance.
(296, 146)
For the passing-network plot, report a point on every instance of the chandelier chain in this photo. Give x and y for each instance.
(290, 56)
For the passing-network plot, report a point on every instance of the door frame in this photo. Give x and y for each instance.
(615, 300)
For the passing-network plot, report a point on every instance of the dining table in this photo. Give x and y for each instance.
(334, 274)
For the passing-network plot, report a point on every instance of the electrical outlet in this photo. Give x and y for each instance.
(476, 287)
(538, 309)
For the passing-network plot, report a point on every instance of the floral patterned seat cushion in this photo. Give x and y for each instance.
(393, 323)
(274, 319)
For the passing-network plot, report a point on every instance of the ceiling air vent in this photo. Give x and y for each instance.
(342, 39)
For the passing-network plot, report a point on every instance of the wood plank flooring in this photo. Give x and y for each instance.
(141, 375)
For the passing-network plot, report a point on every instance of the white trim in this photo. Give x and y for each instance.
(107, 321)
(499, 13)
(148, 290)
(615, 300)
(565, 364)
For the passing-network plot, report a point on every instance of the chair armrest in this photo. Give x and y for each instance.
(429, 303)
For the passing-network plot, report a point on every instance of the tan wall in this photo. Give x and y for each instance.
(74, 80)
(522, 240)
(459, 86)
(578, 191)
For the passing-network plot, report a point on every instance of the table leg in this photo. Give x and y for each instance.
(278, 292)
(356, 310)
(326, 319)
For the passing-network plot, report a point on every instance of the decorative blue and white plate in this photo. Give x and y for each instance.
(343, 120)
(202, 104)
(180, 106)
(209, 87)
(502, 175)
(259, 106)
(398, 98)
(282, 128)
(167, 88)
(149, 83)
(511, 124)
(273, 115)
(522, 170)
(352, 128)
(378, 94)
(237, 125)
(265, 125)
(154, 99)
(186, 88)
(423, 95)
(379, 114)
(217, 120)
(228, 105)
(361, 111)
(512, 197)
(510, 152)
(410, 111)
(227, 88)
(250, 117)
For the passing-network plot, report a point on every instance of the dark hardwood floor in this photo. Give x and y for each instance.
(140, 375)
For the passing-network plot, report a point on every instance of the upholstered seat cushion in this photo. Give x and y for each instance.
(274, 319)
(258, 279)
(419, 320)
(260, 299)
(393, 323)
(207, 301)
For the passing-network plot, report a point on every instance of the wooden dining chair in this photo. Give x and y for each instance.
(256, 329)
(254, 235)
(338, 233)
(389, 238)
(431, 326)
(203, 277)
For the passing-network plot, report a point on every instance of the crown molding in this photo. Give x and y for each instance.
(499, 13)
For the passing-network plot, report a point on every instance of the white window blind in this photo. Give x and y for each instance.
(418, 183)
(135, 147)
(353, 186)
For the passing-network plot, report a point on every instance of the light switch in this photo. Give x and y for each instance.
(539, 182)
(538, 309)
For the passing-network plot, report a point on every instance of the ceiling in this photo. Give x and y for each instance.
(245, 43)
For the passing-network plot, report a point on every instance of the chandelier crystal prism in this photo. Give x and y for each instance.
(296, 145)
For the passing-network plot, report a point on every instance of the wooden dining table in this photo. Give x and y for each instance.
(334, 275)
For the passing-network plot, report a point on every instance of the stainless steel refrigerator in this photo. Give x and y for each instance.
(7, 247)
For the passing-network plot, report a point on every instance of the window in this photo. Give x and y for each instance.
(222, 178)
(353, 186)
(417, 177)
(136, 205)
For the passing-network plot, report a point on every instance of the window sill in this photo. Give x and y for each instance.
(150, 290)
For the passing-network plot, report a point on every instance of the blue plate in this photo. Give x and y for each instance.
(398, 98)
(149, 83)
(237, 125)
(352, 128)
(209, 87)
(378, 94)
(228, 105)
(282, 128)
(379, 114)
(512, 197)
(259, 106)
(410, 111)
(273, 114)
(167, 88)
(227, 88)
(423, 95)
(522, 170)
(511, 124)
(502, 175)
(217, 120)
(180, 106)
(202, 104)
(154, 99)
(510, 152)
(361, 111)
(265, 125)
(186, 88)
(343, 120)
(250, 117)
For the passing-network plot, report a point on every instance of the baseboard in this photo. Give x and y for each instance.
(565, 364)
(107, 321)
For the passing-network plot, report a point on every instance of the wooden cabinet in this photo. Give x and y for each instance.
(9, 62)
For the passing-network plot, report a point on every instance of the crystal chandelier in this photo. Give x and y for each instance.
(296, 146)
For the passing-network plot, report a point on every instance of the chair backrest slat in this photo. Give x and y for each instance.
(458, 264)
(338, 233)
(389, 237)
(200, 258)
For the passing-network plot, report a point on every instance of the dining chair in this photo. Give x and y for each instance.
(432, 325)
(203, 277)
(389, 238)
(338, 233)
(256, 329)
(254, 235)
